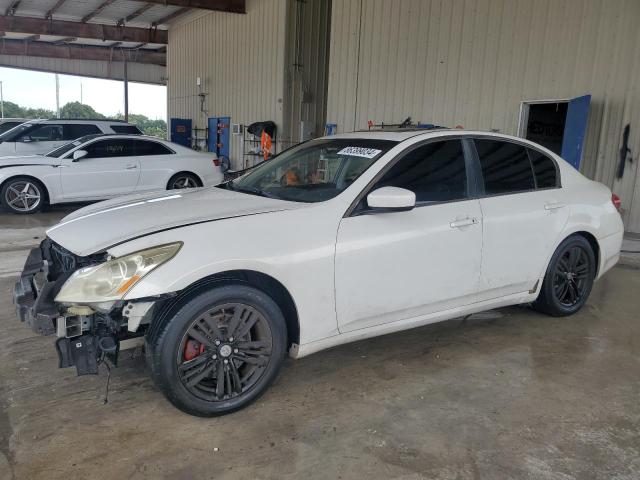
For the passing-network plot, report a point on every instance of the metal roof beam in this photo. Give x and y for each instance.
(135, 14)
(97, 10)
(233, 6)
(13, 6)
(81, 52)
(171, 16)
(63, 28)
(54, 9)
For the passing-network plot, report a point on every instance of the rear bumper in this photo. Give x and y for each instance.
(609, 252)
(35, 306)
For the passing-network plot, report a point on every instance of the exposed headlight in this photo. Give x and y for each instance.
(111, 280)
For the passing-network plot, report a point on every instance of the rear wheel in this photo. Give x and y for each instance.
(22, 195)
(183, 180)
(220, 351)
(569, 278)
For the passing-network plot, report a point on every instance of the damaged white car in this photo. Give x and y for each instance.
(335, 240)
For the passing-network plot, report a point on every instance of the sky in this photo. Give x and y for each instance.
(38, 90)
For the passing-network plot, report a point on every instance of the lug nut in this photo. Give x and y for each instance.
(214, 357)
(235, 350)
(226, 361)
(231, 339)
(217, 342)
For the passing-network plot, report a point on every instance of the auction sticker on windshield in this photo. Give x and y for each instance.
(359, 152)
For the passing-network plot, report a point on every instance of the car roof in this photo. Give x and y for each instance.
(78, 120)
(400, 135)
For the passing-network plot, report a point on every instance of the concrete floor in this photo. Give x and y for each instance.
(512, 394)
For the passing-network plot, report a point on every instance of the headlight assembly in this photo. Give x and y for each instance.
(111, 280)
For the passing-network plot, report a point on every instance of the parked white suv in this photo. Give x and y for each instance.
(7, 124)
(42, 136)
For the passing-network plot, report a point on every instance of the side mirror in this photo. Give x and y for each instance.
(25, 139)
(78, 154)
(391, 199)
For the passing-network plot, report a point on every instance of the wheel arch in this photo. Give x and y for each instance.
(181, 172)
(34, 179)
(258, 280)
(593, 241)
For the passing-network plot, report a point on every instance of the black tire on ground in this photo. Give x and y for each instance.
(569, 278)
(183, 180)
(198, 364)
(22, 195)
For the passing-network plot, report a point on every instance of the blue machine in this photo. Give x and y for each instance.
(220, 136)
(575, 129)
(181, 131)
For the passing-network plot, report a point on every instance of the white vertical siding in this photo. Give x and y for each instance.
(240, 60)
(471, 63)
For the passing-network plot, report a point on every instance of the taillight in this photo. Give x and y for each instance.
(216, 162)
(615, 199)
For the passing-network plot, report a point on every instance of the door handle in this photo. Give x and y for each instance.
(463, 223)
(553, 206)
(131, 166)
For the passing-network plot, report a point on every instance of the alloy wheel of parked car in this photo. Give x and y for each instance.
(220, 351)
(22, 195)
(569, 278)
(183, 181)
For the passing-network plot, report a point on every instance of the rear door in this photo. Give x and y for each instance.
(41, 139)
(157, 164)
(110, 168)
(523, 213)
(397, 266)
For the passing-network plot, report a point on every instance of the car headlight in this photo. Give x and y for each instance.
(111, 280)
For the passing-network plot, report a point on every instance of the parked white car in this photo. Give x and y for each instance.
(42, 136)
(98, 167)
(335, 240)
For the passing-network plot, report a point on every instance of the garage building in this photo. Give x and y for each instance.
(501, 65)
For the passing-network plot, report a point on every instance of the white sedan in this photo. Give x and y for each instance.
(335, 240)
(98, 167)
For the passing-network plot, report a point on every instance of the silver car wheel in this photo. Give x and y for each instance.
(23, 196)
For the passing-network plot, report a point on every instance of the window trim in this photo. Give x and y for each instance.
(470, 168)
(171, 151)
(95, 140)
(526, 146)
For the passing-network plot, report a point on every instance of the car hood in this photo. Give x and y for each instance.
(23, 160)
(102, 225)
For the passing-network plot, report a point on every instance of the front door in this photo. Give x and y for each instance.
(110, 168)
(401, 265)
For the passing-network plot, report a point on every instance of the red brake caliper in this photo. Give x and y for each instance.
(192, 349)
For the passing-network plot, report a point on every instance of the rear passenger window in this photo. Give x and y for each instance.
(73, 131)
(544, 169)
(435, 172)
(505, 167)
(143, 147)
(126, 129)
(113, 147)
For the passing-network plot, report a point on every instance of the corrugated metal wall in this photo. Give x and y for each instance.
(87, 68)
(306, 71)
(240, 60)
(471, 63)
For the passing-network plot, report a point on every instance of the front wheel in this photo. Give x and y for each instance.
(22, 195)
(569, 278)
(220, 351)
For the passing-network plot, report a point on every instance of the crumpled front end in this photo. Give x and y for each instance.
(85, 335)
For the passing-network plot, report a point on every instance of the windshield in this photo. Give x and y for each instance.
(314, 171)
(16, 132)
(60, 151)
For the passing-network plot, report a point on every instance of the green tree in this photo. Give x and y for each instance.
(157, 128)
(79, 110)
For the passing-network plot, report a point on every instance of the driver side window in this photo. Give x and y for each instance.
(45, 133)
(435, 172)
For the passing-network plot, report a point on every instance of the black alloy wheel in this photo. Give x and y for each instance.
(569, 278)
(220, 351)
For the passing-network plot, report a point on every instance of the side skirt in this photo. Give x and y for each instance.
(299, 351)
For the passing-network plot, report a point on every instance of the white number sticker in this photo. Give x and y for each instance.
(359, 152)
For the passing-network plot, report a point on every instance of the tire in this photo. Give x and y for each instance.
(23, 195)
(183, 180)
(246, 364)
(569, 278)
